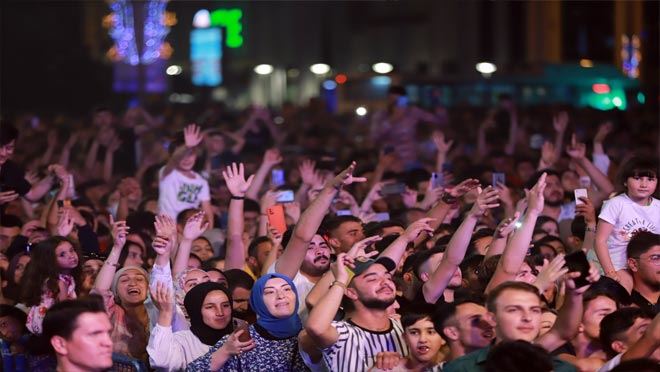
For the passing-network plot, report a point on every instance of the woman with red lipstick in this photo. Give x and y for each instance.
(51, 276)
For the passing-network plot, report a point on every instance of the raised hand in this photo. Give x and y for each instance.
(486, 200)
(272, 157)
(441, 144)
(60, 172)
(550, 272)
(8, 196)
(586, 210)
(233, 346)
(604, 129)
(594, 276)
(195, 226)
(463, 187)
(292, 210)
(119, 232)
(417, 227)
(65, 223)
(505, 194)
(560, 121)
(268, 199)
(275, 236)
(162, 297)
(235, 178)
(345, 177)
(507, 226)
(29, 228)
(548, 155)
(162, 246)
(165, 226)
(535, 199)
(576, 150)
(192, 135)
(310, 176)
(338, 268)
(359, 248)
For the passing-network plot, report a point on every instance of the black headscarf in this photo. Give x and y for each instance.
(193, 303)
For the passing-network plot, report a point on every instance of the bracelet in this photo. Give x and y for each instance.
(237, 197)
(337, 282)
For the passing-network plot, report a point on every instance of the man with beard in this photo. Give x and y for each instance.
(554, 196)
(463, 326)
(343, 232)
(307, 255)
(644, 262)
(351, 345)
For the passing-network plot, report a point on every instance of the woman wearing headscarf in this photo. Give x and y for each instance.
(210, 310)
(273, 341)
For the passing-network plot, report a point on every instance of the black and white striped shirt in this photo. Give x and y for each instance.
(356, 348)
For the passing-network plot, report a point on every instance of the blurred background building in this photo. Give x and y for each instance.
(72, 55)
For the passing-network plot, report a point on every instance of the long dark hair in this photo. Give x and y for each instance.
(43, 270)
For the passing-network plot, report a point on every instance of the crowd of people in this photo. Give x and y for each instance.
(512, 239)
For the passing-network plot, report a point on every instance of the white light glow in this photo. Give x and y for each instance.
(319, 68)
(486, 68)
(360, 111)
(202, 19)
(263, 69)
(174, 70)
(382, 67)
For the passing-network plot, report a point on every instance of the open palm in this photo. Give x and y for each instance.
(234, 176)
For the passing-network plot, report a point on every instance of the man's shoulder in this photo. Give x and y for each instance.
(468, 362)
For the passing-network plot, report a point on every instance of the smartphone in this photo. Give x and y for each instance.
(276, 218)
(577, 262)
(437, 180)
(245, 336)
(580, 193)
(402, 101)
(393, 188)
(285, 196)
(277, 177)
(499, 178)
(585, 182)
(344, 212)
(380, 217)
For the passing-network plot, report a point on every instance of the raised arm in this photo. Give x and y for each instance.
(577, 151)
(587, 211)
(294, 253)
(457, 246)
(397, 248)
(108, 162)
(443, 147)
(516, 250)
(192, 137)
(502, 232)
(234, 176)
(570, 313)
(559, 123)
(106, 274)
(319, 324)
(271, 158)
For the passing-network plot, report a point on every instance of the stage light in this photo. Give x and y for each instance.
(382, 67)
(319, 68)
(263, 69)
(360, 111)
(174, 70)
(486, 68)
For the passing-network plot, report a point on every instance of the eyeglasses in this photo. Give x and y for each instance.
(654, 259)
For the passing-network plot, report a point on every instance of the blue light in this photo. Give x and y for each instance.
(329, 85)
(381, 80)
(205, 55)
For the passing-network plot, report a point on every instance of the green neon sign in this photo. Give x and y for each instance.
(230, 19)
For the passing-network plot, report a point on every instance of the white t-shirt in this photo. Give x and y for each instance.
(628, 217)
(177, 192)
(303, 287)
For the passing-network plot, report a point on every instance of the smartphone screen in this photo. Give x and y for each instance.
(277, 177)
(285, 196)
(245, 336)
(344, 212)
(577, 262)
(276, 218)
(499, 178)
(380, 217)
(437, 180)
(580, 193)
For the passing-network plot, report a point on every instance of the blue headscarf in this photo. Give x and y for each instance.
(278, 327)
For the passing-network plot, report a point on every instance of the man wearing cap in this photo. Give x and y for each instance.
(352, 344)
